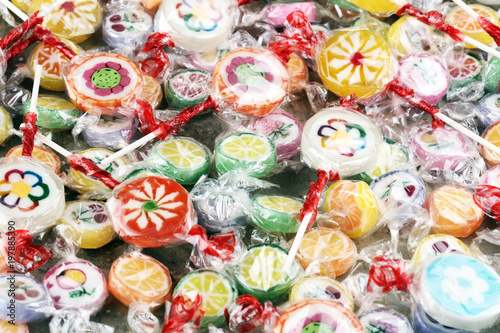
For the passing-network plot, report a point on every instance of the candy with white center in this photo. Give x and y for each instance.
(127, 27)
(385, 320)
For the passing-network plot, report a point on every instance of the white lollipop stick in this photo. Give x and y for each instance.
(465, 7)
(19, 13)
(53, 145)
(36, 88)
(468, 132)
(124, 151)
(296, 242)
(52, 7)
(482, 46)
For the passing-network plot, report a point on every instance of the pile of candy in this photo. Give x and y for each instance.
(162, 183)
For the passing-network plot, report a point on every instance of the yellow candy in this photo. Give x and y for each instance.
(23, 5)
(438, 244)
(409, 35)
(5, 125)
(356, 62)
(380, 7)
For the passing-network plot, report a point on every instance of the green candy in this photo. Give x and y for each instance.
(492, 75)
(318, 328)
(54, 112)
(187, 87)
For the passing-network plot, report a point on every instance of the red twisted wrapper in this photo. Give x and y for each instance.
(245, 2)
(314, 194)
(487, 197)
(304, 40)
(183, 311)
(409, 96)
(434, 19)
(87, 167)
(45, 36)
(146, 116)
(19, 47)
(29, 256)
(218, 246)
(350, 102)
(29, 128)
(20, 31)
(248, 314)
(158, 62)
(492, 29)
(387, 274)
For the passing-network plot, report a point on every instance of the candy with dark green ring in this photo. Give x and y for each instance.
(191, 81)
(54, 119)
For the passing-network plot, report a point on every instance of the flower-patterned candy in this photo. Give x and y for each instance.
(6, 125)
(151, 211)
(318, 315)
(75, 20)
(22, 298)
(341, 140)
(196, 25)
(426, 324)
(426, 75)
(30, 195)
(127, 27)
(111, 132)
(77, 285)
(459, 291)
(187, 87)
(52, 62)
(83, 184)
(101, 82)
(320, 287)
(87, 224)
(283, 130)
(440, 148)
(385, 320)
(438, 244)
(251, 82)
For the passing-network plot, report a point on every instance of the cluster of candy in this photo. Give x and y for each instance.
(394, 98)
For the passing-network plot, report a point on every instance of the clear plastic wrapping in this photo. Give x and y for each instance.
(110, 132)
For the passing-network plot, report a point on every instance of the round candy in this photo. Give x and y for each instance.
(260, 273)
(151, 211)
(152, 91)
(401, 187)
(334, 255)
(369, 22)
(218, 292)
(187, 87)
(298, 72)
(492, 75)
(52, 62)
(101, 82)
(196, 25)
(136, 277)
(77, 285)
(426, 324)
(276, 14)
(492, 134)
(41, 155)
(83, 184)
(341, 140)
(6, 125)
(453, 211)
(127, 27)
(459, 291)
(282, 129)
(318, 315)
(492, 177)
(183, 159)
(355, 62)
(220, 206)
(276, 213)
(426, 75)
(319, 287)
(251, 82)
(87, 224)
(30, 195)
(489, 109)
(438, 244)
(440, 148)
(464, 69)
(391, 156)
(7, 327)
(382, 320)
(468, 24)
(251, 153)
(111, 132)
(353, 207)
(207, 61)
(75, 20)
(22, 298)
(408, 35)
(54, 112)
(23, 5)
(140, 171)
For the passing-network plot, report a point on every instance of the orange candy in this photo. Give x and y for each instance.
(330, 251)
(453, 211)
(298, 72)
(137, 277)
(41, 155)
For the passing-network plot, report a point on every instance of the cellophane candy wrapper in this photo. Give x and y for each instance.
(275, 213)
(192, 33)
(385, 319)
(439, 244)
(484, 247)
(54, 113)
(126, 25)
(187, 87)
(12, 95)
(68, 321)
(444, 154)
(247, 314)
(151, 211)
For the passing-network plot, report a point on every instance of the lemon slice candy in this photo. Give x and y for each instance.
(276, 213)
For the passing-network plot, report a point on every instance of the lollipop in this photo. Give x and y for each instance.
(320, 287)
(54, 113)
(77, 285)
(151, 211)
(438, 244)
(317, 315)
(400, 186)
(41, 155)
(408, 35)
(5, 125)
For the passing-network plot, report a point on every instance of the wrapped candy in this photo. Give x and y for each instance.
(187, 87)
(5, 125)
(320, 287)
(408, 35)
(41, 155)
(491, 134)
(54, 113)
(438, 244)
(110, 132)
(423, 322)
(275, 213)
(385, 320)
(489, 112)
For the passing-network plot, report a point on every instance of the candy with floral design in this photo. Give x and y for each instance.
(127, 27)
